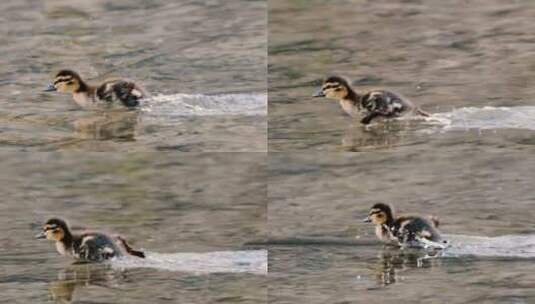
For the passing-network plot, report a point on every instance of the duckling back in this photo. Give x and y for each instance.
(388, 105)
(409, 229)
(95, 247)
(121, 91)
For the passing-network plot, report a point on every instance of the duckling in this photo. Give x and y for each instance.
(374, 103)
(405, 231)
(86, 246)
(110, 92)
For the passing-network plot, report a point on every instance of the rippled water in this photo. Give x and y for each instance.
(181, 50)
(193, 214)
(468, 63)
(322, 252)
(443, 55)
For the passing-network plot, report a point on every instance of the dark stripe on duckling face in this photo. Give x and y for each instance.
(334, 90)
(53, 232)
(330, 85)
(67, 84)
(334, 87)
(67, 79)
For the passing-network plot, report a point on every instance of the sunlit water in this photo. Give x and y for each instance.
(191, 213)
(206, 72)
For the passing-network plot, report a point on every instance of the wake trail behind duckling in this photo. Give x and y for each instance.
(486, 118)
(206, 105)
(245, 261)
(506, 246)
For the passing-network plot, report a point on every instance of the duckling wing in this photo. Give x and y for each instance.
(124, 91)
(409, 229)
(382, 103)
(97, 247)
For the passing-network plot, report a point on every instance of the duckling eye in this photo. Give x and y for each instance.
(70, 82)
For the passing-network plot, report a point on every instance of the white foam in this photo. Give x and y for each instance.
(519, 246)
(203, 105)
(246, 261)
(486, 118)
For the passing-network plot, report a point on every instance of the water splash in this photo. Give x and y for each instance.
(205, 105)
(510, 246)
(246, 261)
(486, 118)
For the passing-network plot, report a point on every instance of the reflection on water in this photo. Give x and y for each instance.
(392, 263)
(378, 136)
(78, 276)
(117, 125)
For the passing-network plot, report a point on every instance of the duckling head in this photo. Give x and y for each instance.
(66, 81)
(334, 87)
(55, 229)
(380, 214)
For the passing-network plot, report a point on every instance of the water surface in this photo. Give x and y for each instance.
(448, 57)
(193, 214)
(322, 252)
(209, 55)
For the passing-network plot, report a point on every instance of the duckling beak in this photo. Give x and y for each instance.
(319, 93)
(367, 220)
(41, 235)
(50, 88)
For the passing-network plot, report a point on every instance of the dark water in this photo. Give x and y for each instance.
(177, 208)
(171, 47)
(442, 55)
(324, 253)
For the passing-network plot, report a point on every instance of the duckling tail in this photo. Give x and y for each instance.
(422, 112)
(129, 249)
(434, 219)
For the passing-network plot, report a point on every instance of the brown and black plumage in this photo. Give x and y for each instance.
(407, 230)
(85, 246)
(373, 104)
(109, 93)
